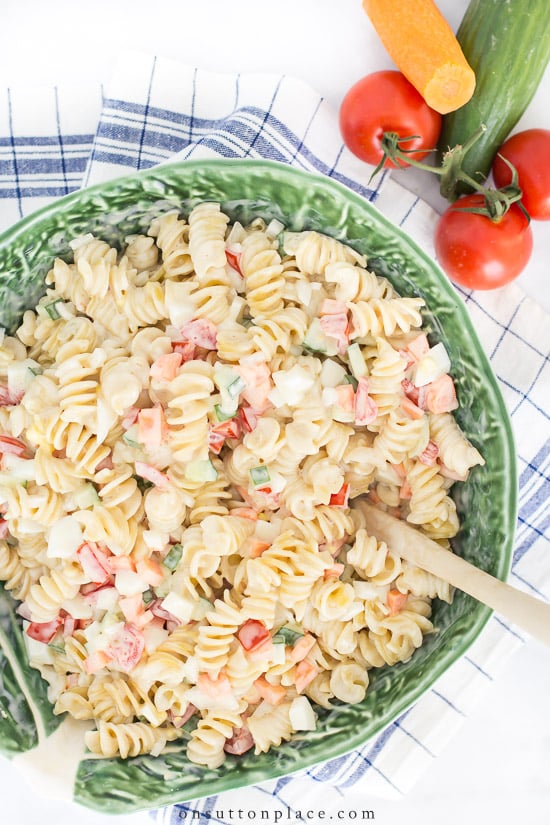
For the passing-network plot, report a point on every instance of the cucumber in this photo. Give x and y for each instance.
(507, 44)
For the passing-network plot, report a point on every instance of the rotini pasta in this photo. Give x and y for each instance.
(188, 428)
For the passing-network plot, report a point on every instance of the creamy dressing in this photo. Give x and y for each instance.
(52, 766)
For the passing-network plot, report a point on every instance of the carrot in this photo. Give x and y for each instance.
(301, 647)
(274, 694)
(424, 48)
(396, 601)
(304, 673)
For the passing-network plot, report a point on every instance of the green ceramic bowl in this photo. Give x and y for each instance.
(486, 502)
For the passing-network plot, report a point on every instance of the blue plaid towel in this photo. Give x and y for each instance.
(53, 141)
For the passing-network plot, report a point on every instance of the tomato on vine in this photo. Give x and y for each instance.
(385, 102)
(482, 252)
(529, 153)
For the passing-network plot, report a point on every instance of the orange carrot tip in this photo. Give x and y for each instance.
(424, 48)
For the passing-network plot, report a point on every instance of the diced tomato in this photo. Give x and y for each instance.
(9, 398)
(274, 694)
(396, 601)
(186, 349)
(166, 366)
(234, 260)
(44, 631)
(304, 674)
(256, 374)
(118, 563)
(152, 426)
(129, 418)
(245, 512)
(340, 499)
(270, 499)
(150, 571)
(410, 408)
(215, 442)
(229, 429)
(410, 390)
(335, 571)
(96, 661)
(127, 647)
(336, 326)
(12, 445)
(332, 307)
(366, 409)
(441, 395)
(248, 419)
(95, 563)
(263, 652)
(4, 529)
(256, 547)
(239, 742)
(70, 624)
(345, 397)
(89, 588)
(201, 332)
(430, 454)
(179, 721)
(301, 647)
(252, 634)
(150, 473)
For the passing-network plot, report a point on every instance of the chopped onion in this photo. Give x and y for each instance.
(64, 538)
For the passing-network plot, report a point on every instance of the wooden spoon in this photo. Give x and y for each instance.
(529, 613)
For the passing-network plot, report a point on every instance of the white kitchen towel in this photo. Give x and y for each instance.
(155, 110)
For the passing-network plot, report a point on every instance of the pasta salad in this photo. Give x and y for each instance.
(188, 429)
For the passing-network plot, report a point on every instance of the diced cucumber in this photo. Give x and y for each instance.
(220, 415)
(260, 475)
(172, 559)
(288, 634)
(51, 308)
(201, 470)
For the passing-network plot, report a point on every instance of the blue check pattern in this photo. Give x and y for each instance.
(155, 110)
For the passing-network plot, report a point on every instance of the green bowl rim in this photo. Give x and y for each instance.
(448, 655)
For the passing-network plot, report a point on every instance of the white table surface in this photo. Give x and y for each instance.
(497, 769)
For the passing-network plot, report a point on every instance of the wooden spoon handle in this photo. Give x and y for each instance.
(529, 613)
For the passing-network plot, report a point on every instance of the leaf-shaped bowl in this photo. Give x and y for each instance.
(486, 502)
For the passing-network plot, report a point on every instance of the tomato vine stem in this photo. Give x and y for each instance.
(496, 202)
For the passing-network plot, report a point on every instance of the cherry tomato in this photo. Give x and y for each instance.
(529, 152)
(479, 253)
(386, 102)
